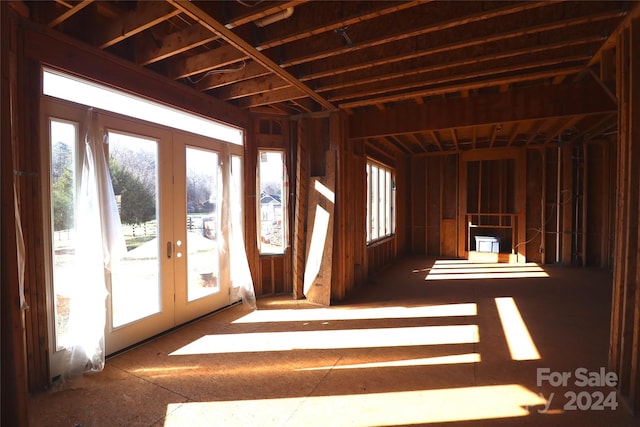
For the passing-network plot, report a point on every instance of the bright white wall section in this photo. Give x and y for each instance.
(80, 91)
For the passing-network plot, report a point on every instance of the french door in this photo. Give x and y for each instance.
(169, 188)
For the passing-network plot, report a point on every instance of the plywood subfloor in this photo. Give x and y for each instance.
(404, 350)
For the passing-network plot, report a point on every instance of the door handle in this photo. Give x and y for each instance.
(169, 250)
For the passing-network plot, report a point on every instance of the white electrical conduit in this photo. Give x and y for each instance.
(278, 16)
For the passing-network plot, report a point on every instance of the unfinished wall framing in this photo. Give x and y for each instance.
(624, 352)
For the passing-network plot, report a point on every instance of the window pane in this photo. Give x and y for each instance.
(387, 193)
(203, 260)
(272, 202)
(380, 202)
(368, 223)
(135, 279)
(236, 190)
(374, 202)
(63, 137)
(84, 92)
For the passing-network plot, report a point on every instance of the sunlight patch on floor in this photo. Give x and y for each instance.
(463, 269)
(521, 345)
(452, 359)
(359, 410)
(345, 338)
(319, 314)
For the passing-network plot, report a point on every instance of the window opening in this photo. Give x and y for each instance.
(272, 202)
(380, 201)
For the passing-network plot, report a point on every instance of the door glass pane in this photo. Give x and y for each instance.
(203, 260)
(135, 279)
(236, 192)
(63, 137)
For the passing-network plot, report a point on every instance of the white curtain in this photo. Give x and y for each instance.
(99, 244)
(240, 274)
(20, 249)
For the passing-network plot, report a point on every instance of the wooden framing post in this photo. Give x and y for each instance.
(624, 350)
(13, 393)
(566, 200)
(300, 217)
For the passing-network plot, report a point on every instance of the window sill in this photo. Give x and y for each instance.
(380, 241)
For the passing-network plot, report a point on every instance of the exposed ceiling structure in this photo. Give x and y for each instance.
(297, 57)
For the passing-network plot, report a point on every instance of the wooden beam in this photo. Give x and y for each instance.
(391, 83)
(207, 21)
(456, 86)
(145, 16)
(251, 87)
(270, 97)
(181, 41)
(519, 104)
(69, 13)
(333, 19)
(430, 61)
(249, 71)
(307, 105)
(219, 58)
(381, 33)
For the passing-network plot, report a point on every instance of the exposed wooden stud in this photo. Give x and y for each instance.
(514, 134)
(474, 137)
(563, 124)
(605, 241)
(302, 192)
(454, 137)
(607, 118)
(494, 132)
(567, 198)
(13, 367)
(535, 130)
(584, 205)
(413, 138)
(435, 139)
